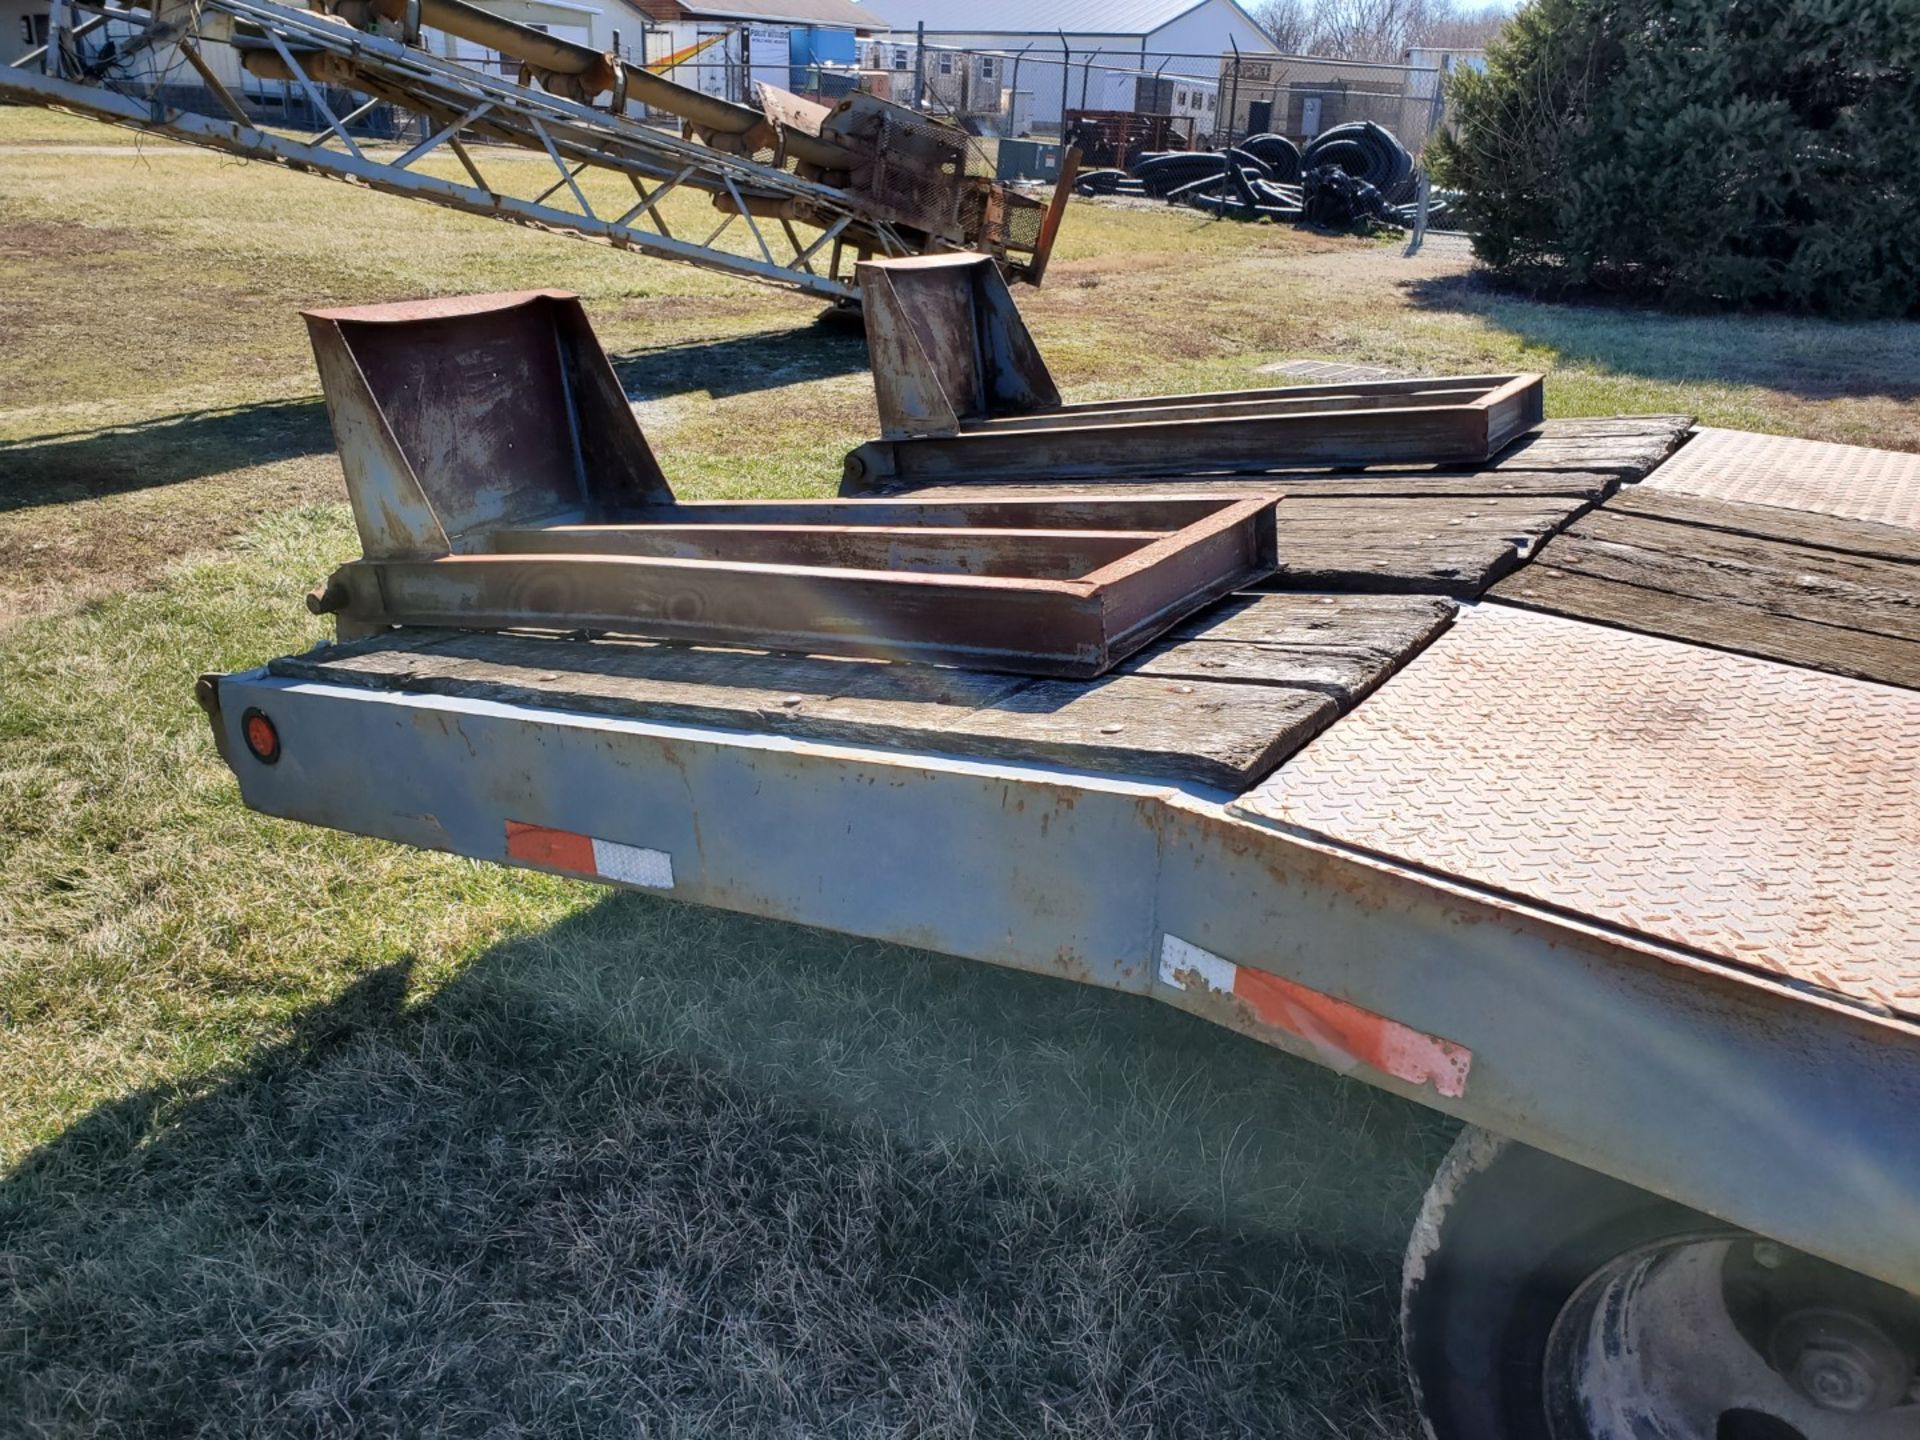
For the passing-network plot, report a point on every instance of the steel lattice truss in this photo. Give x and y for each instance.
(80, 73)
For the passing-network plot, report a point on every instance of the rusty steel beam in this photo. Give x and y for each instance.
(1036, 554)
(1141, 511)
(1073, 627)
(1189, 407)
(964, 393)
(1477, 384)
(1187, 446)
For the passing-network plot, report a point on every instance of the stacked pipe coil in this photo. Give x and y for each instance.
(1352, 175)
(1279, 154)
(1367, 152)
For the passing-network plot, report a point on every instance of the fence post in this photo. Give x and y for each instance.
(1233, 102)
(919, 64)
(1013, 88)
(1066, 73)
(1436, 111)
(1423, 190)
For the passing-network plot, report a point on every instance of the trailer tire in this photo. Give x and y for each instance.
(1517, 1306)
(1504, 1237)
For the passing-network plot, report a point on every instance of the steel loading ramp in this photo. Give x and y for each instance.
(1757, 814)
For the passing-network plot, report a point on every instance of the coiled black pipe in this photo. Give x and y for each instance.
(1098, 182)
(1165, 171)
(1279, 154)
(1367, 152)
(1349, 175)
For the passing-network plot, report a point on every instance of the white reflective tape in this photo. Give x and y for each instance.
(633, 865)
(1179, 958)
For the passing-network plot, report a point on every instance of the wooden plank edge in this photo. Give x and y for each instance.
(1693, 622)
(1876, 540)
(947, 737)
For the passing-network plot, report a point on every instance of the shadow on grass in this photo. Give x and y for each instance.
(1798, 355)
(746, 363)
(56, 469)
(86, 465)
(662, 1172)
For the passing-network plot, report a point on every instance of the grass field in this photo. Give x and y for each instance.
(308, 1135)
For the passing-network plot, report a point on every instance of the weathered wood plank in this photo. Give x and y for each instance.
(1713, 623)
(1827, 587)
(1342, 645)
(1343, 677)
(1625, 450)
(1444, 484)
(815, 696)
(1420, 546)
(1224, 735)
(1362, 624)
(1202, 731)
(1771, 522)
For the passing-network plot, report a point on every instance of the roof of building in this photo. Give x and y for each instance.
(842, 13)
(1038, 17)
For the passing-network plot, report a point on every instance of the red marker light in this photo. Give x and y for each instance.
(261, 736)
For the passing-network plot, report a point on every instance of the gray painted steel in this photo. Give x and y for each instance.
(1774, 1108)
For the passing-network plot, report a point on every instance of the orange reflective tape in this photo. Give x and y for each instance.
(559, 849)
(1344, 1031)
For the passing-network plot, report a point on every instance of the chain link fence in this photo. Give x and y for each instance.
(1210, 99)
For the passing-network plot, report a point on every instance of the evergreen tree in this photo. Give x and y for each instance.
(1761, 152)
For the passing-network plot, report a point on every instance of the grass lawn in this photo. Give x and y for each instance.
(302, 1134)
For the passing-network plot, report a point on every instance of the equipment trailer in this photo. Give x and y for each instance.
(1574, 792)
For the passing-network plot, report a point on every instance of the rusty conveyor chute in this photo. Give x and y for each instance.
(807, 190)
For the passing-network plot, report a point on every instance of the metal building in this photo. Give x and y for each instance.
(1081, 54)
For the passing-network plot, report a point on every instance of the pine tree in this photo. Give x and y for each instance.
(1761, 152)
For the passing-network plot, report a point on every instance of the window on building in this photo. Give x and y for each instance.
(1209, 103)
(899, 59)
(946, 64)
(986, 67)
(33, 30)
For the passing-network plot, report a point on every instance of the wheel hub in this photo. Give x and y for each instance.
(1721, 1337)
(1840, 1361)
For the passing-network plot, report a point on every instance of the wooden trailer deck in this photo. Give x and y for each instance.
(1373, 563)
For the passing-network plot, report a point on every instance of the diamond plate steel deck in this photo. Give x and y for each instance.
(1850, 481)
(1760, 814)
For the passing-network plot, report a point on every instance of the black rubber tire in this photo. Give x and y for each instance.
(1506, 1235)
